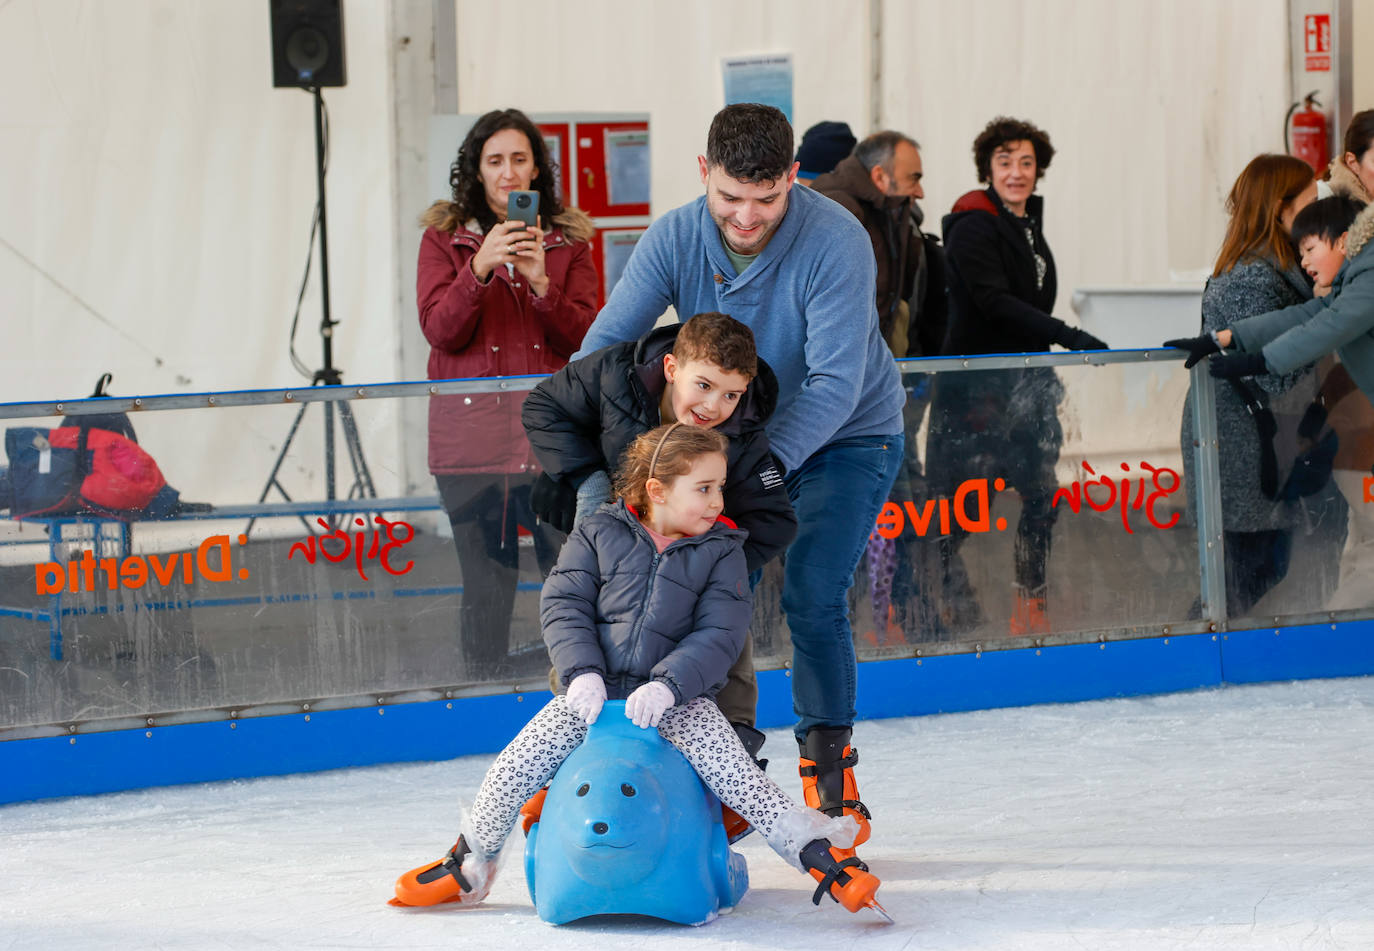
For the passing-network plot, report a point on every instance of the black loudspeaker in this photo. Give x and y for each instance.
(307, 43)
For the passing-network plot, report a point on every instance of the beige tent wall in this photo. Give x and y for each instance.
(1154, 108)
(156, 195)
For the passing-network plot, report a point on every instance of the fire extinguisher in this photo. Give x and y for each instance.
(1306, 133)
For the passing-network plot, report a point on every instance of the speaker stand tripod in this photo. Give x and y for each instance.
(328, 374)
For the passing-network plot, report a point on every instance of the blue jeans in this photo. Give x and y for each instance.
(837, 494)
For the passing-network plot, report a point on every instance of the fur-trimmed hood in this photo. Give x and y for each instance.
(575, 223)
(1361, 230)
(1345, 182)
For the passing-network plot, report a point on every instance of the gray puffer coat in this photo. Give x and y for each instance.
(1251, 287)
(616, 605)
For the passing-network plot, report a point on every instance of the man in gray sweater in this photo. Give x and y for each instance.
(799, 271)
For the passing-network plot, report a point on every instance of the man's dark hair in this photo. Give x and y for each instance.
(879, 147)
(1002, 131)
(1326, 218)
(750, 142)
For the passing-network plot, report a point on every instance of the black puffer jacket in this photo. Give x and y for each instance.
(585, 416)
(616, 605)
(995, 305)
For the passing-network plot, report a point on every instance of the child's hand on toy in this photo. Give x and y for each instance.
(646, 705)
(586, 695)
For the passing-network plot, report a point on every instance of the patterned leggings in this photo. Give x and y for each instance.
(698, 730)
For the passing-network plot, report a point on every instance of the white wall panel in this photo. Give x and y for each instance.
(660, 58)
(1154, 108)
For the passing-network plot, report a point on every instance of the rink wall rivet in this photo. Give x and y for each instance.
(1037, 653)
(919, 662)
(519, 698)
(379, 699)
(1101, 647)
(360, 391)
(381, 711)
(289, 397)
(233, 726)
(1166, 642)
(72, 741)
(150, 722)
(305, 706)
(138, 402)
(59, 408)
(448, 706)
(433, 390)
(1333, 627)
(72, 728)
(448, 695)
(148, 734)
(307, 718)
(211, 401)
(233, 713)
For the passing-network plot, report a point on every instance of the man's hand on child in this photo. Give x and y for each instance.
(554, 501)
(646, 705)
(586, 695)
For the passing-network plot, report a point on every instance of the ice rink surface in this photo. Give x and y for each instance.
(1235, 818)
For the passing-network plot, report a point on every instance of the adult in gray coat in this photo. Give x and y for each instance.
(1256, 270)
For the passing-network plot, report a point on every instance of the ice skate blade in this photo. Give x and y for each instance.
(880, 911)
(401, 904)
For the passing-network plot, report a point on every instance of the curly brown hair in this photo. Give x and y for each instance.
(664, 454)
(469, 194)
(718, 339)
(1004, 130)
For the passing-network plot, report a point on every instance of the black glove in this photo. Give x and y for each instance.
(1312, 421)
(1226, 366)
(1197, 347)
(554, 501)
(1075, 339)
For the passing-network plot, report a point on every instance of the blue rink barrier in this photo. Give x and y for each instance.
(100, 762)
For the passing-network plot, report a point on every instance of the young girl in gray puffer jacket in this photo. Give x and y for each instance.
(652, 608)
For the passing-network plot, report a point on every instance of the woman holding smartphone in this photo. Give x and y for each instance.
(497, 297)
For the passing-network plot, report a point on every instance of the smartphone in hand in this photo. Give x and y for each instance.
(524, 207)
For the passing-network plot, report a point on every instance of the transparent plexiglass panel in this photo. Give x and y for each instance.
(271, 581)
(1041, 502)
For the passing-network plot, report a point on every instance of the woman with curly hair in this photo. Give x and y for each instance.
(497, 298)
(1002, 424)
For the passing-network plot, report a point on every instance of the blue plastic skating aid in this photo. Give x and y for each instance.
(629, 829)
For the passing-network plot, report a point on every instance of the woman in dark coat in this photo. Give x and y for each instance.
(1256, 271)
(1001, 424)
(496, 299)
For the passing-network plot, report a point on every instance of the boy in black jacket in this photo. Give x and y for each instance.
(704, 372)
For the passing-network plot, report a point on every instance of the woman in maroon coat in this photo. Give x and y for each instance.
(497, 299)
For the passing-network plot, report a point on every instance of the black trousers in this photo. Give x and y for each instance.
(486, 512)
(997, 424)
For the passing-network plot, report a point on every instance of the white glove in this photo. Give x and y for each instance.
(646, 705)
(586, 695)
